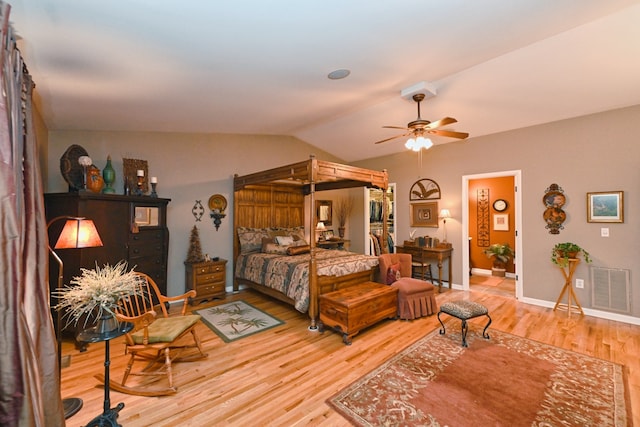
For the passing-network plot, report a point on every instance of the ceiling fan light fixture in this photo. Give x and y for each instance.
(418, 143)
(423, 142)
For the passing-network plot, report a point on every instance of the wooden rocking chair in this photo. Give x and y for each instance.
(156, 340)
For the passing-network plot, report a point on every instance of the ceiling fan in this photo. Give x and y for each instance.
(421, 128)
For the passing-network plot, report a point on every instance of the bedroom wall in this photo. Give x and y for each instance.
(591, 153)
(189, 167)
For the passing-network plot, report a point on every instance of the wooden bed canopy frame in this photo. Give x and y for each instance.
(276, 198)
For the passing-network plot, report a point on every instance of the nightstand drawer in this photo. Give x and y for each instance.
(210, 278)
(212, 268)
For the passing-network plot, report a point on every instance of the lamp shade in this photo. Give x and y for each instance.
(78, 233)
(320, 226)
(444, 213)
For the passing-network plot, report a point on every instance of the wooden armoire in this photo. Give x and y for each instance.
(132, 228)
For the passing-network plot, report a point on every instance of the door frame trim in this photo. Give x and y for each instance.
(517, 182)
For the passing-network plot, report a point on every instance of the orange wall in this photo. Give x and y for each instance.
(499, 188)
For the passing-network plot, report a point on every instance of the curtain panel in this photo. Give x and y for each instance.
(29, 371)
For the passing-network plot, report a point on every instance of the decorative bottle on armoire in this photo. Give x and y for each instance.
(109, 176)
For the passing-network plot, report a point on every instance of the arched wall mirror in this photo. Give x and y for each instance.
(324, 211)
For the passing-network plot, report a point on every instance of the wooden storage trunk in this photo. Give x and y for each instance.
(352, 309)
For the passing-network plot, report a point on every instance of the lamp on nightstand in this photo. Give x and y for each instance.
(320, 229)
(76, 233)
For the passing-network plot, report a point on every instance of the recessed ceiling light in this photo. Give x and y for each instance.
(339, 74)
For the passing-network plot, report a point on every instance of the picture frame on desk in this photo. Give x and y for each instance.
(424, 214)
(328, 235)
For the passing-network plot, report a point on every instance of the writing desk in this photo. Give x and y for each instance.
(422, 254)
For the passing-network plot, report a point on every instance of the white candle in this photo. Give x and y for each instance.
(154, 180)
(140, 172)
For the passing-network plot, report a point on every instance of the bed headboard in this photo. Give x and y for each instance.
(271, 205)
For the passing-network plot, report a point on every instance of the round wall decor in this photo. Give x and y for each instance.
(500, 205)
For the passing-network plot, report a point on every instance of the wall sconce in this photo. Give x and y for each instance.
(217, 204)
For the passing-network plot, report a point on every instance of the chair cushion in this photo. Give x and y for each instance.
(166, 329)
(408, 286)
(393, 274)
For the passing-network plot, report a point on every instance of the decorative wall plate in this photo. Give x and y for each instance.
(71, 170)
(217, 201)
(554, 199)
(553, 215)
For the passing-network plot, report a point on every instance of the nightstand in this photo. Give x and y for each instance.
(334, 244)
(208, 278)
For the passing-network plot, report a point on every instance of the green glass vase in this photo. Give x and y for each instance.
(109, 176)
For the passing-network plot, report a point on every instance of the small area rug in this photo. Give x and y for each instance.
(238, 319)
(504, 381)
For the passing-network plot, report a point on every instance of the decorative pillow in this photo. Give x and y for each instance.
(300, 242)
(393, 273)
(284, 240)
(265, 242)
(297, 233)
(273, 248)
(251, 239)
(298, 250)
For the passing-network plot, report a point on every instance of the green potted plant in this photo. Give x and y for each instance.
(562, 252)
(501, 254)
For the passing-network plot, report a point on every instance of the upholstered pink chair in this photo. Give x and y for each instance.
(416, 298)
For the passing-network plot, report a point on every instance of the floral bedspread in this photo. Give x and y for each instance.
(289, 274)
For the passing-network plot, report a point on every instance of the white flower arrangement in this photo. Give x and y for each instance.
(98, 289)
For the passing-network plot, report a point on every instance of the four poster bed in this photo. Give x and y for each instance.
(271, 254)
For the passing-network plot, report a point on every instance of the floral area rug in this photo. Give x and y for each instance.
(236, 320)
(504, 381)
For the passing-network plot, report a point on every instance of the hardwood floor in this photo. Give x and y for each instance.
(283, 376)
(493, 285)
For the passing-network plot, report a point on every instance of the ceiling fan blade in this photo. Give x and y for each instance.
(449, 133)
(393, 137)
(395, 127)
(442, 122)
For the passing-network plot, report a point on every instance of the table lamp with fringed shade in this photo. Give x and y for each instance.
(77, 233)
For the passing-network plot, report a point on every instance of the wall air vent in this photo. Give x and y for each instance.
(611, 289)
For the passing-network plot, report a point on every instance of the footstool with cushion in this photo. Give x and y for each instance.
(464, 310)
(416, 298)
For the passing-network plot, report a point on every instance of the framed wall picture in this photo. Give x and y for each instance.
(501, 222)
(424, 214)
(605, 206)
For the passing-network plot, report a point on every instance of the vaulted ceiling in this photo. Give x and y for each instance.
(260, 67)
